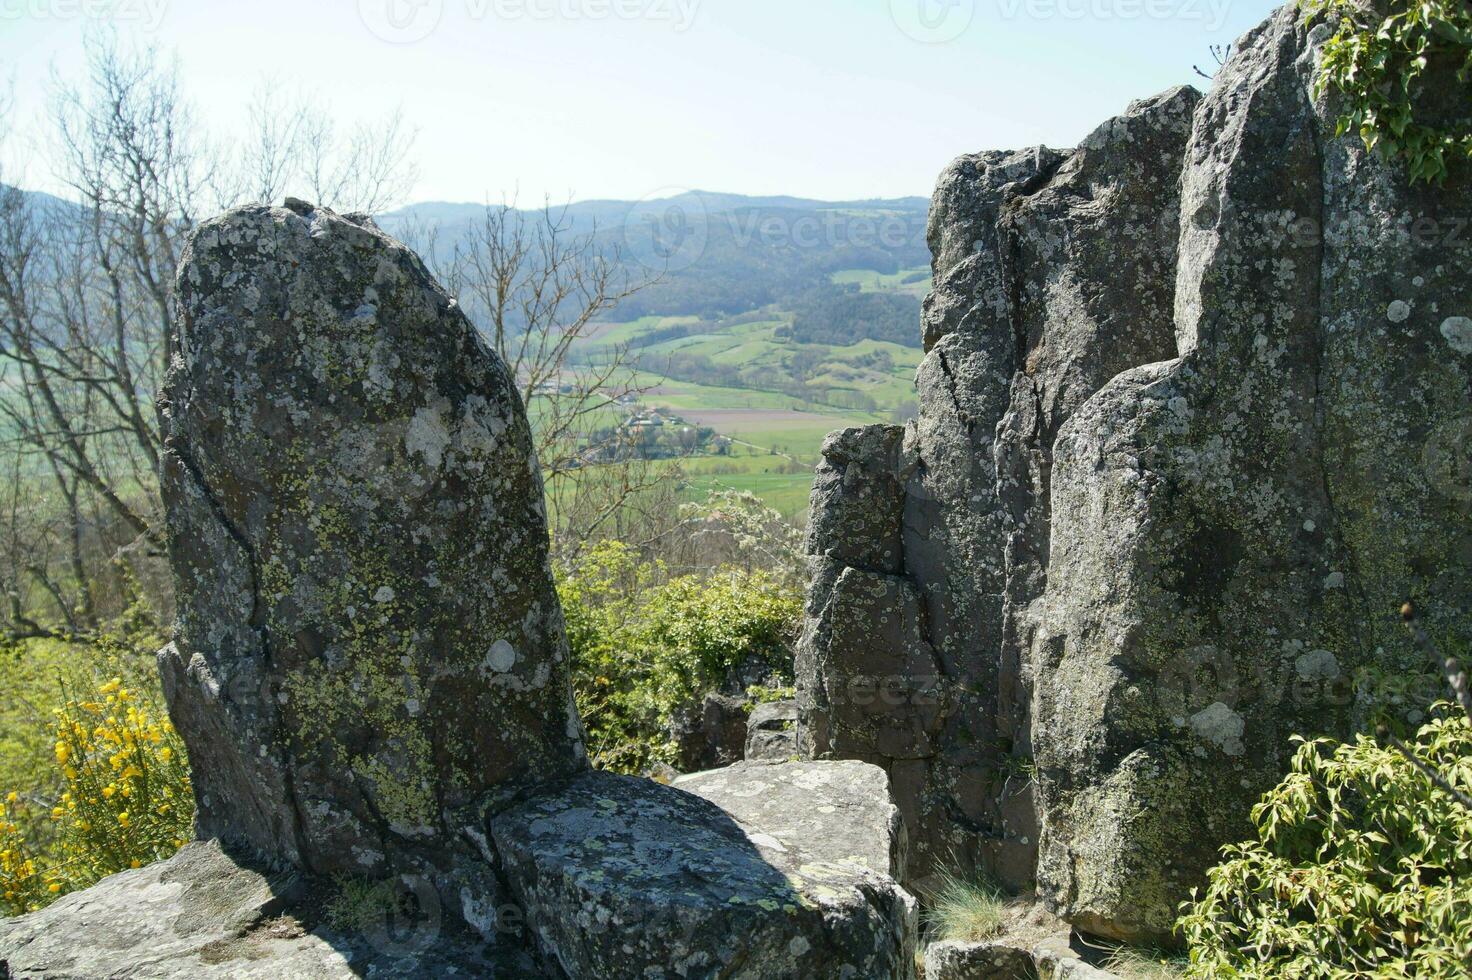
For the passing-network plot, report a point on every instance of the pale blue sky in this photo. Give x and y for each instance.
(625, 98)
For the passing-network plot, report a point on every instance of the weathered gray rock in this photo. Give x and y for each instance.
(1056, 959)
(1052, 275)
(1193, 424)
(200, 914)
(1235, 528)
(369, 657)
(957, 960)
(771, 732)
(623, 877)
(710, 735)
(833, 812)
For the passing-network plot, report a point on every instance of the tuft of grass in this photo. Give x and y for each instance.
(359, 904)
(967, 911)
(1135, 963)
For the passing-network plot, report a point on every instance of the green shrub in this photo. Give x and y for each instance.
(644, 646)
(1394, 63)
(1363, 868)
(126, 800)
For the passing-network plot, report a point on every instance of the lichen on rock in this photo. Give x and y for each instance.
(1193, 425)
(358, 538)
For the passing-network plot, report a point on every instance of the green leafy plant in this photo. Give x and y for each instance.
(1389, 60)
(645, 645)
(1363, 867)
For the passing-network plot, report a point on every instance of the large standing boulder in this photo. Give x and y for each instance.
(622, 877)
(1235, 528)
(369, 658)
(930, 545)
(1194, 422)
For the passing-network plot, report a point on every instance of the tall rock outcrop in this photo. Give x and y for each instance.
(370, 671)
(369, 657)
(930, 544)
(1194, 423)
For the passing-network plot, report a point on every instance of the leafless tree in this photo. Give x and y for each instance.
(537, 288)
(292, 146)
(87, 316)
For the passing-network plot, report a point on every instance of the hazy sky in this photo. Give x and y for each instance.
(628, 98)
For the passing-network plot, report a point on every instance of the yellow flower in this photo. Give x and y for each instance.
(135, 863)
(54, 887)
(111, 685)
(123, 818)
(13, 797)
(107, 791)
(164, 753)
(57, 813)
(63, 753)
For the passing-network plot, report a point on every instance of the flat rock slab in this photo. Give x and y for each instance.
(199, 914)
(623, 877)
(835, 812)
(958, 960)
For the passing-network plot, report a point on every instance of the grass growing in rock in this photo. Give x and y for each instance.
(358, 904)
(966, 910)
(1130, 963)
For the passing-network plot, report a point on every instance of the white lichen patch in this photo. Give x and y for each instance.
(1317, 665)
(1458, 332)
(1221, 726)
(1398, 311)
(429, 434)
(501, 658)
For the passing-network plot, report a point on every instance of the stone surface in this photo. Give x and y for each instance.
(1056, 959)
(771, 732)
(833, 812)
(1052, 274)
(369, 657)
(1194, 421)
(623, 877)
(957, 960)
(1235, 528)
(200, 914)
(710, 735)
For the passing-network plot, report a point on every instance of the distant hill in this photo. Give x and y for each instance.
(723, 255)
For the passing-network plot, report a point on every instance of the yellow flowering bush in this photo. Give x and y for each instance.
(21, 888)
(126, 799)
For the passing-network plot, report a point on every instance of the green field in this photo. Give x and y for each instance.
(870, 281)
(775, 398)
